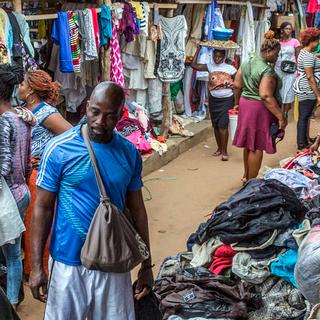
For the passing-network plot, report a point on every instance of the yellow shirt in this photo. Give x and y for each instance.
(138, 9)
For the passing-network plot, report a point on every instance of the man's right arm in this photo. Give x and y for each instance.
(41, 223)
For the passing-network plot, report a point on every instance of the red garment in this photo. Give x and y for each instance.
(291, 163)
(313, 6)
(95, 25)
(222, 259)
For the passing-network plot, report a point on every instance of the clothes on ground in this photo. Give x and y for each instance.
(208, 297)
(287, 53)
(307, 269)
(301, 86)
(222, 259)
(284, 266)
(254, 271)
(66, 168)
(251, 215)
(104, 295)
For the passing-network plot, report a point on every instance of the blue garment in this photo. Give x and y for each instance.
(12, 253)
(40, 135)
(61, 36)
(284, 266)
(105, 25)
(66, 169)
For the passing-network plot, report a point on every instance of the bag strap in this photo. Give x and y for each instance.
(102, 189)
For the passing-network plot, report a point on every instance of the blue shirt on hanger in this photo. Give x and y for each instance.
(61, 36)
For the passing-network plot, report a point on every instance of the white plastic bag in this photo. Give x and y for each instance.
(11, 224)
(307, 269)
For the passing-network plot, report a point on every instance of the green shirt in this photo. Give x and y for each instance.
(252, 72)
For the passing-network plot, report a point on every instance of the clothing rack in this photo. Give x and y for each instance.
(53, 16)
(221, 2)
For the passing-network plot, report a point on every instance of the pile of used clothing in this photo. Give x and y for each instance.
(252, 258)
(136, 127)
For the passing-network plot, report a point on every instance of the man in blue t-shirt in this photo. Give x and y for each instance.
(68, 196)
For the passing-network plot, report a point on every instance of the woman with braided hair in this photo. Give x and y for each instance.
(256, 96)
(39, 92)
(15, 169)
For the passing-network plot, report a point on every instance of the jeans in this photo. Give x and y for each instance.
(12, 253)
(305, 112)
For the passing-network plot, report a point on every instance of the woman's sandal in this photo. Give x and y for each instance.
(224, 158)
(217, 153)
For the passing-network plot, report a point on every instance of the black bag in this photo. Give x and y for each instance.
(288, 66)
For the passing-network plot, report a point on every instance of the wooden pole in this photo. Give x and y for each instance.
(17, 5)
(166, 102)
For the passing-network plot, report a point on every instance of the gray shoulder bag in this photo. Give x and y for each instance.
(112, 244)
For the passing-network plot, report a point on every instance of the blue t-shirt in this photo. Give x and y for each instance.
(61, 36)
(66, 169)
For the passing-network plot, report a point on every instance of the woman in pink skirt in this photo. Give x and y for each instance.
(256, 88)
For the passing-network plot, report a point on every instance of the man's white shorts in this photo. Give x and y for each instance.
(76, 293)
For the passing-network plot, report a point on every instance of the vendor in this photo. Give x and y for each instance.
(221, 99)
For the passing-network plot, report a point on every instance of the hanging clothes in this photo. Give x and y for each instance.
(313, 7)
(90, 50)
(128, 25)
(75, 40)
(105, 25)
(116, 69)
(61, 36)
(172, 49)
(144, 24)
(95, 22)
(25, 32)
(248, 37)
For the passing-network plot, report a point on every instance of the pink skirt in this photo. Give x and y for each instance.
(253, 130)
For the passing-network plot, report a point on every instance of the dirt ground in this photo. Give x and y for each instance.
(180, 196)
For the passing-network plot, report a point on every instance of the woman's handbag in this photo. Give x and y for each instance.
(112, 244)
(288, 66)
(11, 224)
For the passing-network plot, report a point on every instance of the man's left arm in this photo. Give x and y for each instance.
(139, 216)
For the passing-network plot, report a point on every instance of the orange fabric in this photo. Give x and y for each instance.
(27, 234)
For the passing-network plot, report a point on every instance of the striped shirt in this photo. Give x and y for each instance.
(301, 86)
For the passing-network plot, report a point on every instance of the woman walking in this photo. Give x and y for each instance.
(307, 84)
(15, 166)
(38, 91)
(220, 98)
(286, 65)
(256, 85)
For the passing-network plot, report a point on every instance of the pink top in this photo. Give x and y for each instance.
(288, 51)
(292, 42)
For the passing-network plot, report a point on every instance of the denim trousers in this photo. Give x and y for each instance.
(12, 253)
(305, 112)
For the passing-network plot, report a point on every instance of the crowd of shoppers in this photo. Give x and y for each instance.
(263, 91)
(47, 167)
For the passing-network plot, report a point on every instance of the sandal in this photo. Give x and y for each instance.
(217, 153)
(225, 158)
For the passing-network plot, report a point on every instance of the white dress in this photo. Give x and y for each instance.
(287, 53)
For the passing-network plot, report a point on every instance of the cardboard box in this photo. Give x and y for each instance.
(277, 20)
